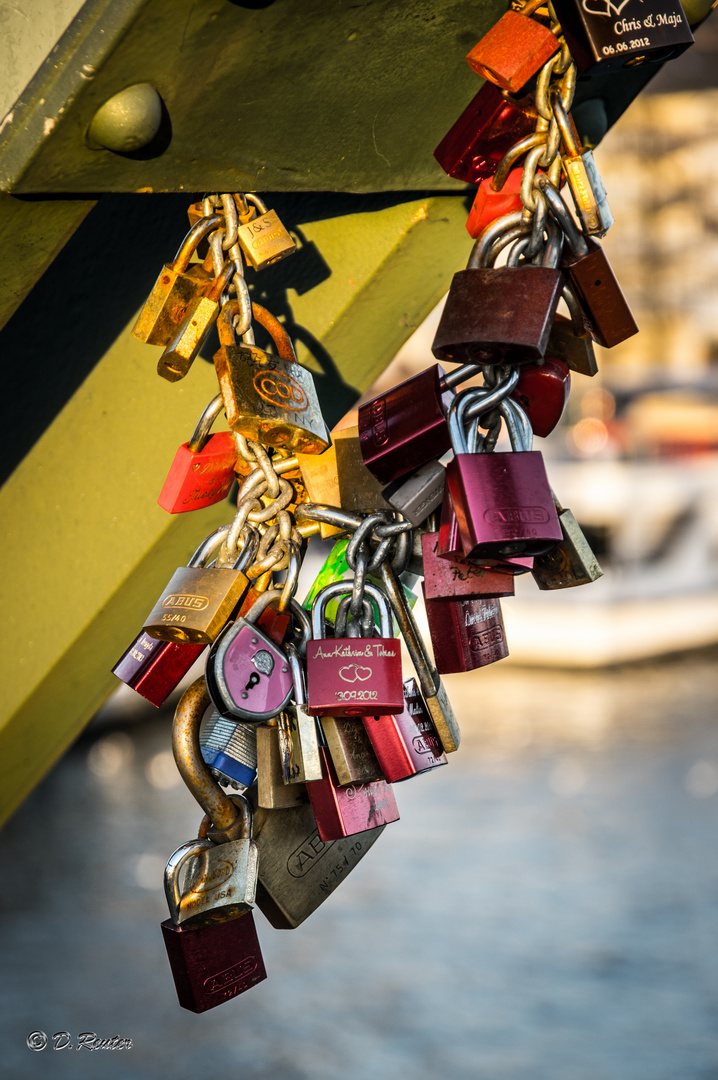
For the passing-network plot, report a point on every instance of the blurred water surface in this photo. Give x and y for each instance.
(547, 907)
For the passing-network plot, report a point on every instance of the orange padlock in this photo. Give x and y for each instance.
(514, 49)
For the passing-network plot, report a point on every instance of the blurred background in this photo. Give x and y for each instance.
(547, 906)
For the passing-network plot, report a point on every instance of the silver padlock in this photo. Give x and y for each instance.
(298, 739)
(230, 751)
(418, 495)
(219, 877)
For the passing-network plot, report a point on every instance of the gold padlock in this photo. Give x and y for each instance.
(272, 792)
(570, 563)
(339, 477)
(351, 751)
(181, 351)
(180, 285)
(263, 239)
(267, 398)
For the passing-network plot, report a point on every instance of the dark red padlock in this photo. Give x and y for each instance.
(354, 808)
(154, 668)
(514, 49)
(449, 545)
(406, 743)
(542, 392)
(203, 468)
(487, 128)
(466, 634)
(457, 578)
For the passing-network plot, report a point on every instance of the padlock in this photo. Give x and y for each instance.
(273, 791)
(572, 562)
(502, 501)
(570, 340)
(218, 878)
(584, 179)
(214, 963)
(542, 392)
(267, 398)
(229, 750)
(492, 202)
(203, 468)
(606, 313)
(466, 634)
(350, 750)
(418, 494)
(180, 285)
(499, 315)
(298, 870)
(339, 477)
(450, 547)
(601, 41)
(344, 811)
(297, 729)
(263, 239)
(272, 622)
(406, 743)
(405, 427)
(248, 675)
(489, 126)
(154, 668)
(457, 578)
(183, 346)
(199, 600)
(514, 49)
(353, 676)
(432, 688)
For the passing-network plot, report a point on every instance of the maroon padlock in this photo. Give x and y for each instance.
(457, 578)
(406, 743)
(502, 501)
(344, 811)
(154, 668)
(487, 128)
(353, 676)
(405, 427)
(203, 468)
(465, 634)
(542, 392)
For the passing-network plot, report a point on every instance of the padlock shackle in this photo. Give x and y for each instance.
(178, 858)
(486, 239)
(255, 200)
(200, 435)
(342, 588)
(218, 807)
(298, 613)
(517, 425)
(458, 375)
(295, 666)
(249, 550)
(191, 241)
(576, 239)
(208, 545)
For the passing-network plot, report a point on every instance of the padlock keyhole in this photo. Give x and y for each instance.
(253, 680)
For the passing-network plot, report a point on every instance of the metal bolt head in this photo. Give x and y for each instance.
(127, 121)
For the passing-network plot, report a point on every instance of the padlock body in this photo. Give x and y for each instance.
(229, 749)
(298, 745)
(488, 127)
(406, 743)
(457, 578)
(405, 427)
(219, 878)
(503, 504)
(345, 811)
(489, 204)
(185, 343)
(498, 315)
(570, 563)
(512, 51)
(600, 43)
(248, 676)
(418, 494)
(270, 399)
(213, 964)
(589, 193)
(542, 391)
(200, 478)
(354, 676)
(466, 634)
(154, 668)
(273, 790)
(196, 604)
(575, 349)
(350, 750)
(172, 296)
(608, 316)
(297, 869)
(264, 240)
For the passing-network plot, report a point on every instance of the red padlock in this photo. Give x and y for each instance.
(491, 202)
(449, 546)
(353, 676)
(344, 811)
(514, 49)
(466, 634)
(542, 392)
(405, 744)
(487, 128)
(203, 468)
(154, 668)
(457, 578)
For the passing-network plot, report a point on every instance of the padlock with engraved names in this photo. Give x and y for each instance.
(406, 744)
(179, 287)
(248, 675)
(606, 312)
(202, 876)
(203, 468)
(600, 41)
(502, 501)
(229, 750)
(457, 578)
(346, 810)
(268, 398)
(154, 668)
(273, 791)
(418, 494)
(199, 600)
(263, 239)
(514, 48)
(570, 563)
(488, 127)
(350, 750)
(499, 315)
(466, 634)
(298, 735)
(584, 179)
(353, 676)
(184, 345)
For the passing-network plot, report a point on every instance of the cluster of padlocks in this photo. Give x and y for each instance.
(312, 720)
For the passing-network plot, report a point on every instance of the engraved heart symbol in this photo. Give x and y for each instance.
(603, 7)
(352, 673)
(363, 673)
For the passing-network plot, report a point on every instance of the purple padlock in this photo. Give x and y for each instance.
(248, 676)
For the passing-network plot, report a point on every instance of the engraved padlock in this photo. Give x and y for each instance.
(405, 743)
(262, 238)
(350, 750)
(248, 675)
(199, 599)
(154, 668)
(584, 179)
(570, 563)
(298, 735)
(353, 676)
(466, 634)
(346, 810)
(274, 791)
(203, 468)
(456, 578)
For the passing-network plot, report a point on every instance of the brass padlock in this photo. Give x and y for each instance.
(350, 749)
(571, 562)
(182, 349)
(180, 285)
(339, 477)
(269, 399)
(263, 239)
(272, 792)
